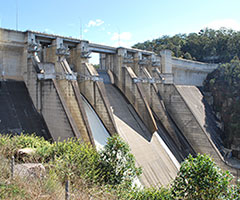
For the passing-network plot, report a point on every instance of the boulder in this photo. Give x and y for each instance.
(29, 170)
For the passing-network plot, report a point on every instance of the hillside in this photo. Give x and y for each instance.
(208, 45)
(224, 86)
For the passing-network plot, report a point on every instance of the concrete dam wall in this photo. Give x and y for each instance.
(48, 81)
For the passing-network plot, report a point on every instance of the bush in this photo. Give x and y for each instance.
(73, 159)
(107, 174)
(149, 194)
(117, 164)
(200, 178)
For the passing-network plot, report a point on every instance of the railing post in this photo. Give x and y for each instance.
(12, 166)
(67, 189)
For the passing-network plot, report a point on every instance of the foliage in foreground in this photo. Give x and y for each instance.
(117, 163)
(200, 178)
(105, 175)
(112, 165)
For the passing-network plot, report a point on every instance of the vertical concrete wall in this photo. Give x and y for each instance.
(78, 116)
(54, 113)
(12, 53)
(32, 83)
(186, 72)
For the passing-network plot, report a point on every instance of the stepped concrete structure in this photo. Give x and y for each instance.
(152, 101)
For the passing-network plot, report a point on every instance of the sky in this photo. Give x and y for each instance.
(119, 23)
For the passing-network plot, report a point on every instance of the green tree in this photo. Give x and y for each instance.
(201, 179)
(117, 163)
(207, 45)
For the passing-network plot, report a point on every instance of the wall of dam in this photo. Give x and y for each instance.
(145, 98)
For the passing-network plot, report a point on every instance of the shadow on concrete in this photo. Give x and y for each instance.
(17, 112)
(211, 126)
(125, 112)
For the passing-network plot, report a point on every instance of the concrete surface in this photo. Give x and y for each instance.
(99, 132)
(158, 164)
(187, 108)
(17, 112)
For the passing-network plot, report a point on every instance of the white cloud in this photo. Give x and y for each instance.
(122, 36)
(49, 31)
(97, 22)
(226, 23)
(85, 30)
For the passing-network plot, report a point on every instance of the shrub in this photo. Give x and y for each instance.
(76, 160)
(149, 194)
(117, 164)
(200, 178)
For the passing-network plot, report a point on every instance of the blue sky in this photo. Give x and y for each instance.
(123, 22)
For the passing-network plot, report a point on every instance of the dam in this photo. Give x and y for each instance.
(151, 101)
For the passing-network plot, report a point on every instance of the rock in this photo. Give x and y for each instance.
(26, 151)
(220, 125)
(29, 170)
(218, 115)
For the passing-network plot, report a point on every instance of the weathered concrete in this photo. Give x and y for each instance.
(49, 101)
(135, 94)
(185, 104)
(53, 110)
(12, 45)
(95, 93)
(156, 104)
(17, 112)
(71, 107)
(158, 167)
(186, 72)
(67, 92)
(166, 128)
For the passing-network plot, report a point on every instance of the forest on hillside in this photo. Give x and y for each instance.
(208, 45)
(213, 46)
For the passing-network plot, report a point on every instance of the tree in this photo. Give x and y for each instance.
(200, 178)
(207, 45)
(117, 164)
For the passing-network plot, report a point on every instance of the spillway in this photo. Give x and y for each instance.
(99, 132)
(151, 153)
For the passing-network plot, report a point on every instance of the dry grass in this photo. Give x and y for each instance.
(47, 188)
